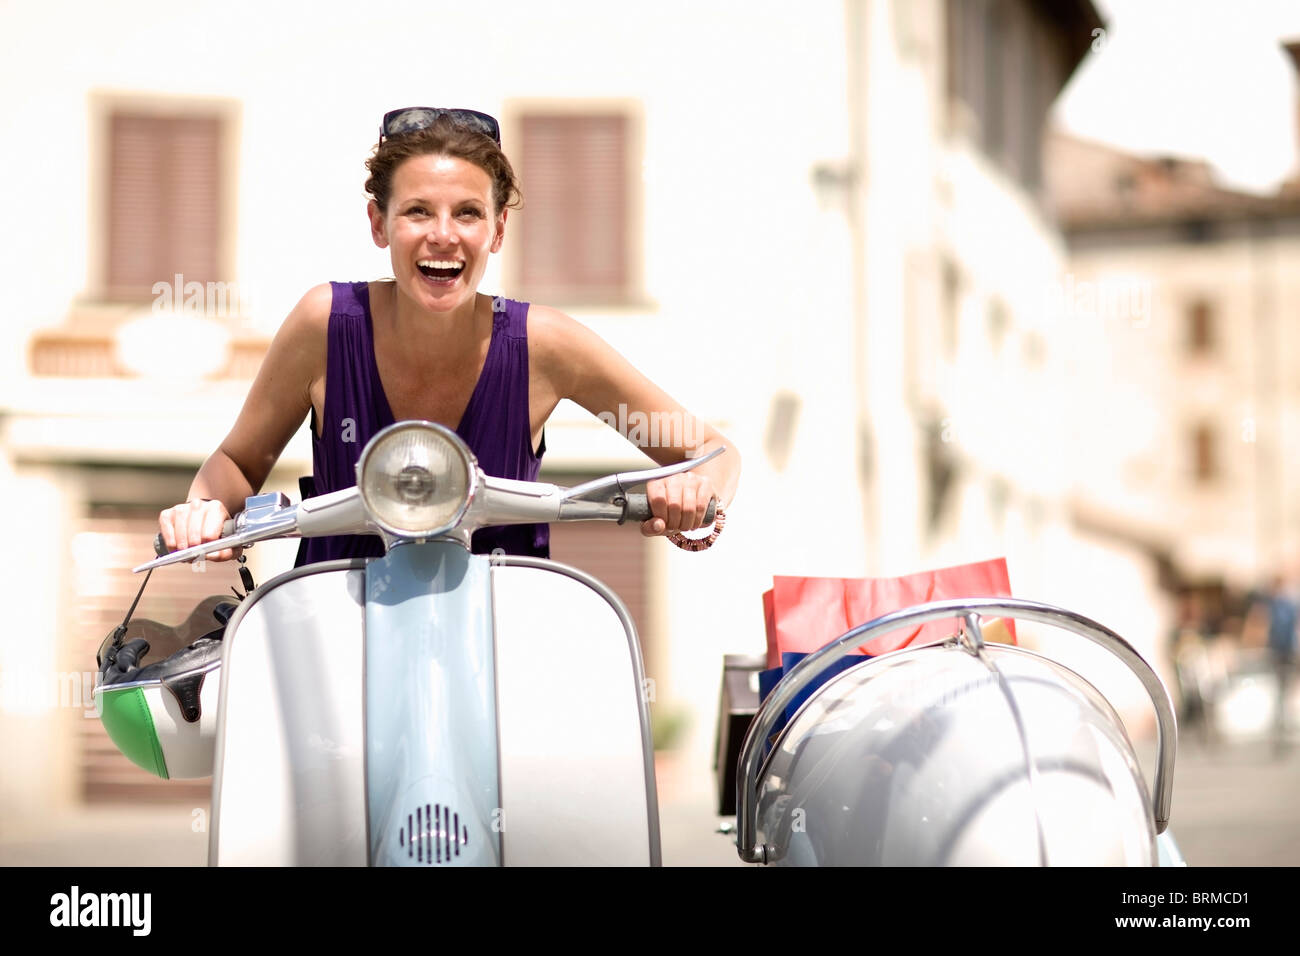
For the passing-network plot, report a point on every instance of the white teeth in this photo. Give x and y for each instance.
(439, 264)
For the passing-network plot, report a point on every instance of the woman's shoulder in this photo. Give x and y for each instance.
(552, 334)
(303, 336)
(330, 298)
(549, 326)
(298, 352)
(310, 318)
(566, 350)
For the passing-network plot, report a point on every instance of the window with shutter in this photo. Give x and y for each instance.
(1200, 328)
(574, 233)
(163, 182)
(1205, 465)
(164, 201)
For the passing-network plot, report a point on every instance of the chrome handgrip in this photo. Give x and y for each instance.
(638, 509)
(813, 665)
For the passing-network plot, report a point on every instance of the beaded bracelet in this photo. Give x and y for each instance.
(700, 544)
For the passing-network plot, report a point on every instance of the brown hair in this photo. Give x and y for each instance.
(444, 137)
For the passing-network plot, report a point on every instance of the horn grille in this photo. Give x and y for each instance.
(433, 834)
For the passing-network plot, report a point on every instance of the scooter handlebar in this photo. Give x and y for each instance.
(638, 508)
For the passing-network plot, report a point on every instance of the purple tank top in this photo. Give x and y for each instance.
(496, 424)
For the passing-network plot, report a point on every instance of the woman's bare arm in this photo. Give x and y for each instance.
(576, 364)
(277, 403)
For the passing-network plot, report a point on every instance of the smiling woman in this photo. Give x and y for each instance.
(426, 344)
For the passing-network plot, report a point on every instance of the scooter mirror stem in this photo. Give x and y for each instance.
(603, 487)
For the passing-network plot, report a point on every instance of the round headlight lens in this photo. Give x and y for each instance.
(416, 478)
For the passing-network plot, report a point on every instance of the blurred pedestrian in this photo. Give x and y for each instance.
(1193, 672)
(1283, 615)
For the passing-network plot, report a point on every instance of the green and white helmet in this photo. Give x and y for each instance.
(158, 696)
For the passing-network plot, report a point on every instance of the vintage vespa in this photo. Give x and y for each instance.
(429, 707)
(434, 707)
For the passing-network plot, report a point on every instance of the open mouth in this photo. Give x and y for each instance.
(443, 270)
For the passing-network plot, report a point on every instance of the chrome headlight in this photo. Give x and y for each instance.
(416, 479)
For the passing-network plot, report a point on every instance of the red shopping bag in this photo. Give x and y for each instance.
(805, 614)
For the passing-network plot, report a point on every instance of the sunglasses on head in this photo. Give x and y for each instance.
(412, 118)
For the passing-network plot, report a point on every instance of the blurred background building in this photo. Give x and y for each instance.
(1203, 361)
(1182, 292)
(832, 232)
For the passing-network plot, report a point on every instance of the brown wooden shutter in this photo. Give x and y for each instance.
(164, 202)
(106, 546)
(574, 225)
(1204, 453)
(1200, 328)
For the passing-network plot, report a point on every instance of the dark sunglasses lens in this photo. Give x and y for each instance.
(410, 120)
(480, 124)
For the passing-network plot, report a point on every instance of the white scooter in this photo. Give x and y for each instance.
(430, 707)
(433, 707)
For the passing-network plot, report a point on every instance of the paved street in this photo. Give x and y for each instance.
(1233, 806)
(167, 836)
(121, 836)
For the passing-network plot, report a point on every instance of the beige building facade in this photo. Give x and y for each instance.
(833, 241)
(1186, 293)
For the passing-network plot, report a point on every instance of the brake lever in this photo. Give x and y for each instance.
(265, 515)
(601, 487)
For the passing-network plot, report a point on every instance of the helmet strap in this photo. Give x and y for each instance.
(120, 631)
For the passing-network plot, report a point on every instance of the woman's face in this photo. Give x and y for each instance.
(441, 227)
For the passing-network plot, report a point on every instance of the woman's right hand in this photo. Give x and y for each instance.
(196, 521)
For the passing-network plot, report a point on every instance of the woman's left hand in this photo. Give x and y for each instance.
(679, 503)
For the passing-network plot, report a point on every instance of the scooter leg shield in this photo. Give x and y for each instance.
(431, 730)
